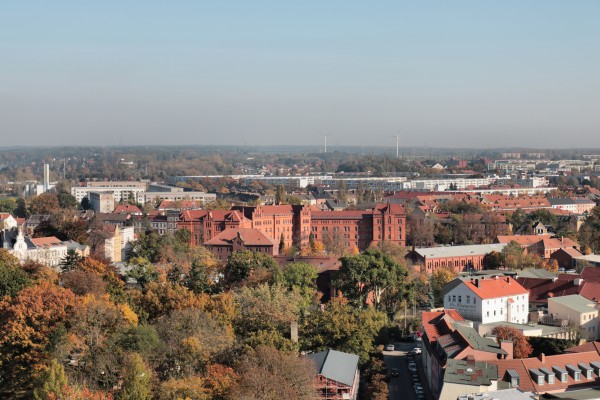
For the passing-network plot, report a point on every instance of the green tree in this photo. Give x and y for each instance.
(71, 261)
(21, 210)
(372, 272)
(85, 203)
(142, 271)
(8, 205)
(280, 195)
(588, 233)
(243, 265)
(51, 382)
(142, 339)
(342, 327)
(266, 312)
(493, 260)
(136, 379)
(12, 277)
(438, 279)
(66, 200)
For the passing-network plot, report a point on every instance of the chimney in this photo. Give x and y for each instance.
(542, 358)
(470, 360)
(476, 282)
(507, 346)
(578, 282)
(508, 279)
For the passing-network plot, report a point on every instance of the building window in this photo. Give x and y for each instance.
(460, 299)
(453, 298)
(468, 299)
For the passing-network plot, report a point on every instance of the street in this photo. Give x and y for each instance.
(400, 387)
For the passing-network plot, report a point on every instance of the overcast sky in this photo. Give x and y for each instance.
(442, 73)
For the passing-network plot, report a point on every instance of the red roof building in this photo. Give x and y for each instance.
(238, 239)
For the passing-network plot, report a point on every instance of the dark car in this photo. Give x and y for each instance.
(395, 372)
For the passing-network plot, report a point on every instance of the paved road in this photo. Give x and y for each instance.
(401, 387)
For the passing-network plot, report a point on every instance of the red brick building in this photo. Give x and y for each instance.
(296, 223)
(238, 239)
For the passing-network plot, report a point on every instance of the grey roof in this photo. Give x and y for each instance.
(560, 201)
(536, 273)
(335, 365)
(594, 258)
(459, 251)
(477, 341)
(575, 302)
(475, 374)
(506, 394)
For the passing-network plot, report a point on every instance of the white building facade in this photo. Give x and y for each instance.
(488, 300)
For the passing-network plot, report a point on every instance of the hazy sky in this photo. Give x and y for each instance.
(444, 73)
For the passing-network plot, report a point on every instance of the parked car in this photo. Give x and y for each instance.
(390, 347)
(395, 372)
(571, 271)
(416, 350)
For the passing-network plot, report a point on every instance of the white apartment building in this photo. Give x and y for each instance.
(577, 310)
(120, 193)
(201, 197)
(488, 300)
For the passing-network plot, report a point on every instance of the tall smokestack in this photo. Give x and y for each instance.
(46, 177)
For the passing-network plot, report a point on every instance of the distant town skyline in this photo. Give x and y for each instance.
(460, 74)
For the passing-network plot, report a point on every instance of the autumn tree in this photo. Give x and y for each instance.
(84, 282)
(45, 203)
(268, 374)
(513, 255)
(192, 337)
(521, 347)
(29, 323)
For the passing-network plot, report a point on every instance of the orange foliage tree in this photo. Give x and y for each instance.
(28, 324)
(521, 347)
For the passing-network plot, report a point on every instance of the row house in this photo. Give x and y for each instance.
(447, 337)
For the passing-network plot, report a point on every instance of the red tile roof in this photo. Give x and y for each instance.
(495, 287)
(523, 240)
(589, 346)
(249, 236)
(44, 241)
(127, 209)
(438, 323)
(527, 384)
(193, 215)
